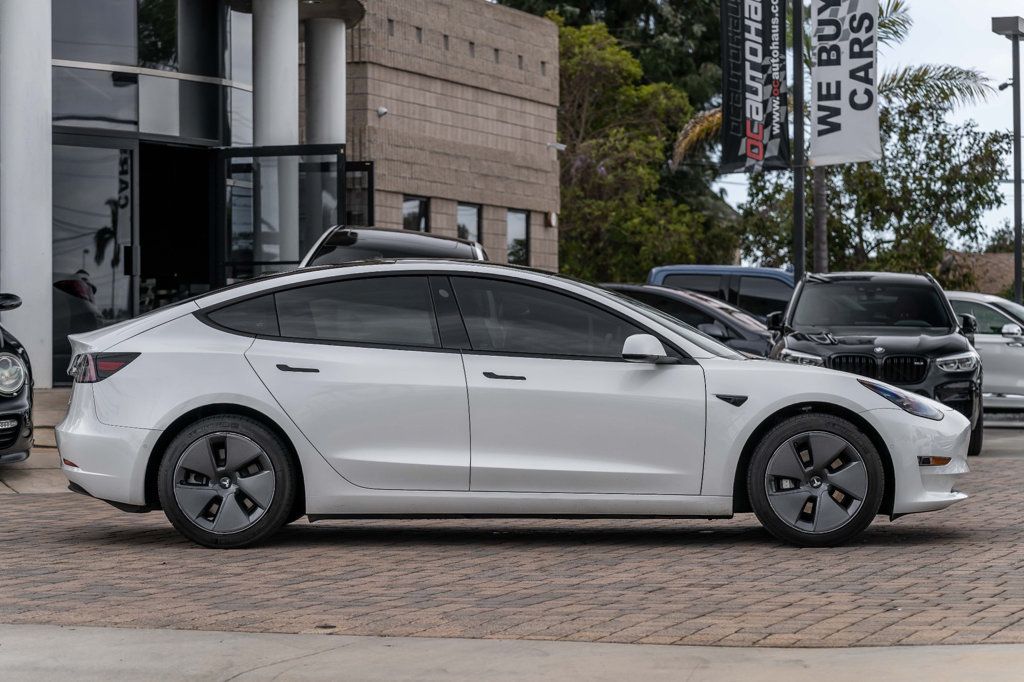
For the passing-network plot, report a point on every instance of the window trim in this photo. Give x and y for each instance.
(203, 316)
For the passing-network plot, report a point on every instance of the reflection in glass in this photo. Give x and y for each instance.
(95, 99)
(241, 47)
(181, 35)
(469, 221)
(168, 106)
(357, 197)
(416, 214)
(92, 224)
(518, 237)
(158, 34)
(101, 31)
(241, 117)
(278, 206)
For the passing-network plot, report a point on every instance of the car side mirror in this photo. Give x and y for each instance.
(645, 348)
(714, 329)
(1012, 331)
(9, 302)
(969, 324)
(774, 321)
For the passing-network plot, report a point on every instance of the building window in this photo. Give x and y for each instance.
(446, 42)
(102, 31)
(472, 49)
(517, 237)
(416, 213)
(391, 27)
(419, 34)
(520, 62)
(469, 221)
(543, 68)
(497, 56)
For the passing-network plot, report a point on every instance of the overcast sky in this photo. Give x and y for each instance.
(954, 32)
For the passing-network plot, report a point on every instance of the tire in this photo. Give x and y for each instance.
(227, 481)
(815, 480)
(977, 437)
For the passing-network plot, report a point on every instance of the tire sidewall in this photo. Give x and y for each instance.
(797, 425)
(284, 477)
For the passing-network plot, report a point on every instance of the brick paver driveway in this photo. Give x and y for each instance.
(951, 577)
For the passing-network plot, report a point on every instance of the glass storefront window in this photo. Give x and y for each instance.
(240, 117)
(158, 34)
(92, 226)
(416, 213)
(241, 47)
(518, 237)
(469, 221)
(95, 99)
(101, 31)
(168, 106)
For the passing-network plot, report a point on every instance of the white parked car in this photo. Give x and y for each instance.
(1000, 343)
(435, 388)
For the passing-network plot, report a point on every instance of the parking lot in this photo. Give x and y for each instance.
(951, 577)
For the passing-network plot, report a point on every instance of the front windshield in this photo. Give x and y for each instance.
(695, 337)
(826, 305)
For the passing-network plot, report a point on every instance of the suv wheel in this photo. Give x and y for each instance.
(977, 437)
(227, 481)
(815, 480)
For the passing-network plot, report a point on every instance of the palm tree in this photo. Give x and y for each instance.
(953, 85)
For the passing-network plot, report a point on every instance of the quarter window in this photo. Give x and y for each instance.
(393, 311)
(506, 317)
(255, 316)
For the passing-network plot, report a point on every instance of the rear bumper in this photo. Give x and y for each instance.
(107, 462)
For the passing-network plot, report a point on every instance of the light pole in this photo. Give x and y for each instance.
(799, 160)
(1013, 28)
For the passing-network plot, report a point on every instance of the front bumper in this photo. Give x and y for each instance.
(108, 462)
(16, 426)
(924, 488)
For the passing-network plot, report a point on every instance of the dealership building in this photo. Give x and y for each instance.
(152, 150)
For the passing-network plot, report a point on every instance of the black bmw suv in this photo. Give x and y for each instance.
(899, 329)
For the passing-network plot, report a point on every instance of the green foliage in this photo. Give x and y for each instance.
(934, 184)
(1001, 240)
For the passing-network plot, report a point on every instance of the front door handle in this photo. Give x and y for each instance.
(303, 370)
(505, 377)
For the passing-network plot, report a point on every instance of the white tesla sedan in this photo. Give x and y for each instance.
(436, 388)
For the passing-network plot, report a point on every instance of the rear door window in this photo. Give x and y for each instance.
(705, 284)
(763, 295)
(990, 321)
(677, 309)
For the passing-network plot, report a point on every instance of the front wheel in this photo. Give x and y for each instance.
(227, 481)
(815, 480)
(977, 437)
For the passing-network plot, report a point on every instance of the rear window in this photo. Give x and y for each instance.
(346, 246)
(763, 295)
(867, 304)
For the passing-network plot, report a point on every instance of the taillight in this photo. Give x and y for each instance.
(90, 368)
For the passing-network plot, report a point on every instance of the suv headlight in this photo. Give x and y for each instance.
(908, 402)
(12, 374)
(961, 362)
(799, 358)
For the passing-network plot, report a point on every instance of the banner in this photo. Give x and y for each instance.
(755, 97)
(844, 82)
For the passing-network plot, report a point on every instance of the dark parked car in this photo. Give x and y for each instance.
(899, 329)
(15, 393)
(735, 328)
(757, 290)
(346, 244)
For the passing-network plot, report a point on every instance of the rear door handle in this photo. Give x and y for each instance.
(505, 377)
(302, 370)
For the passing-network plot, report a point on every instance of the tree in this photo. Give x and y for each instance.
(614, 224)
(934, 184)
(950, 86)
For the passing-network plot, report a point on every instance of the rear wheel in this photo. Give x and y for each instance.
(815, 480)
(977, 437)
(227, 481)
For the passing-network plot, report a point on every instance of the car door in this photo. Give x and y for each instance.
(555, 409)
(1002, 357)
(358, 366)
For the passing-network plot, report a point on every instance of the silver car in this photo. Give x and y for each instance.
(1000, 342)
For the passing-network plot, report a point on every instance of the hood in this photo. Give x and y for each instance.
(892, 341)
(108, 337)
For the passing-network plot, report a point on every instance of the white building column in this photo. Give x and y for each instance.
(275, 64)
(26, 180)
(325, 81)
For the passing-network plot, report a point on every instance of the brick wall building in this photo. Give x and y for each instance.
(471, 93)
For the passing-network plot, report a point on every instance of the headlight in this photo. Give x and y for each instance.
(12, 374)
(961, 362)
(908, 402)
(799, 358)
